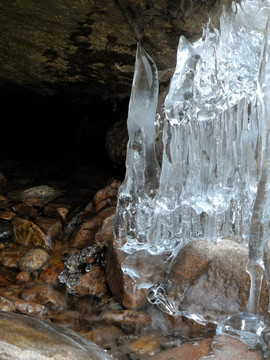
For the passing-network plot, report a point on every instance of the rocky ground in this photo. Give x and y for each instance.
(57, 267)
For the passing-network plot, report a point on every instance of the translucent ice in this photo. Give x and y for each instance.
(214, 178)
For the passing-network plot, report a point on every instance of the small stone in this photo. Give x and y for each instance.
(44, 294)
(10, 257)
(23, 277)
(105, 232)
(6, 305)
(25, 210)
(33, 260)
(50, 275)
(92, 283)
(127, 318)
(193, 351)
(145, 345)
(31, 309)
(57, 211)
(104, 336)
(7, 215)
(106, 196)
(29, 234)
(51, 227)
(84, 235)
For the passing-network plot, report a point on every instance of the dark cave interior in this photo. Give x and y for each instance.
(36, 127)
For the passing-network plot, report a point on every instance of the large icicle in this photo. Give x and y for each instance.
(134, 208)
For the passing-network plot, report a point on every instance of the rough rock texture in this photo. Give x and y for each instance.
(83, 47)
(23, 337)
(33, 260)
(211, 279)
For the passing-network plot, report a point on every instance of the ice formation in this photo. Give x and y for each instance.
(214, 178)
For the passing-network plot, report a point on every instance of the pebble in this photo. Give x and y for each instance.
(33, 260)
(145, 345)
(92, 283)
(127, 319)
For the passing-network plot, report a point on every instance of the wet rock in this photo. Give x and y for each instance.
(23, 337)
(105, 232)
(227, 347)
(6, 305)
(104, 336)
(50, 275)
(23, 277)
(44, 294)
(29, 234)
(43, 194)
(7, 215)
(127, 319)
(106, 196)
(51, 227)
(57, 211)
(92, 283)
(26, 211)
(211, 280)
(145, 345)
(191, 351)
(84, 235)
(146, 268)
(10, 257)
(30, 308)
(33, 260)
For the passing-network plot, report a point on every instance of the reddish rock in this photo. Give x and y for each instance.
(104, 214)
(29, 234)
(33, 260)
(191, 351)
(87, 212)
(145, 345)
(32, 202)
(23, 277)
(57, 211)
(50, 275)
(10, 257)
(51, 227)
(92, 283)
(31, 309)
(84, 235)
(227, 347)
(127, 318)
(104, 336)
(44, 294)
(106, 196)
(24, 210)
(105, 232)
(7, 215)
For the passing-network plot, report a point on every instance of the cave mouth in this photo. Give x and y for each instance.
(37, 130)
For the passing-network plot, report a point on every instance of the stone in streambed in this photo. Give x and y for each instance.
(127, 319)
(92, 283)
(33, 260)
(23, 337)
(29, 234)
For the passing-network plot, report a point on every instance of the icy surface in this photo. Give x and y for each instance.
(214, 178)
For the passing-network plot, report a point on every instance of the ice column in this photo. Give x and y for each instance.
(135, 200)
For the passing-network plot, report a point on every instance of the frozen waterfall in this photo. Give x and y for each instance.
(214, 178)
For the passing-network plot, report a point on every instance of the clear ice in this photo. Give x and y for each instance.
(214, 177)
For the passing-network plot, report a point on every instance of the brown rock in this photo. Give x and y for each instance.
(106, 196)
(23, 277)
(126, 290)
(92, 283)
(6, 305)
(32, 202)
(127, 318)
(104, 336)
(193, 351)
(10, 257)
(29, 234)
(145, 345)
(104, 214)
(44, 294)
(33, 260)
(7, 215)
(50, 275)
(84, 235)
(227, 347)
(105, 232)
(51, 227)
(57, 211)
(25, 210)
(31, 309)
(211, 279)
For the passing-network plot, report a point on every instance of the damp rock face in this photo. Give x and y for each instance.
(23, 337)
(67, 46)
(211, 280)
